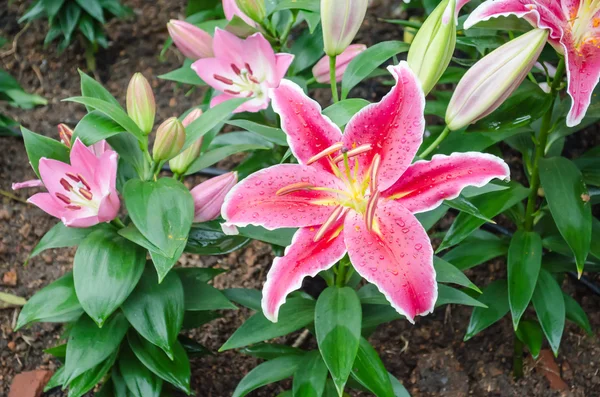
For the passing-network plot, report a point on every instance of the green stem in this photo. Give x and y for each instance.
(288, 29)
(310, 81)
(435, 143)
(118, 223)
(540, 148)
(334, 91)
(340, 279)
(518, 358)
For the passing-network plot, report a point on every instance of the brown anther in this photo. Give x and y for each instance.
(66, 185)
(232, 92)
(353, 152)
(65, 134)
(330, 150)
(222, 79)
(86, 194)
(63, 198)
(344, 149)
(294, 187)
(325, 227)
(73, 207)
(84, 182)
(370, 211)
(73, 177)
(253, 79)
(235, 69)
(374, 171)
(248, 68)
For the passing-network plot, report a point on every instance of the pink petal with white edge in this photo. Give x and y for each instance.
(27, 184)
(583, 71)
(254, 201)
(47, 203)
(302, 258)
(425, 184)
(282, 64)
(397, 258)
(308, 131)
(394, 127)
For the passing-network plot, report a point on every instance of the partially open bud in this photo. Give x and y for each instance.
(65, 134)
(180, 163)
(210, 195)
(192, 41)
(170, 138)
(321, 69)
(341, 19)
(432, 47)
(255, 9)
(488, 83)
(140, 103)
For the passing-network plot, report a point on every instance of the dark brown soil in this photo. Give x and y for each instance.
(429, 357)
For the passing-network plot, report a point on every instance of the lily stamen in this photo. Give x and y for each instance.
(374, 171)
(370, 211)
(330, 150)
(354, 152)
(339, 210)
(294, 187)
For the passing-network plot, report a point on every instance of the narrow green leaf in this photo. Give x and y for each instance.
(208, 239)
(399, 389)
(246, 297)
(215, 155)
(93, 8)
(185, 74)
(341, 112)
(463, 205)
(269, 351)
(93, 89)
(268, 372)
(448, 295)
(272, 134)
(201, 296)
(139, 380)
(96, 126)
(370, 372)
(61, 236)
(478, 248)
(90, 378)
(549, 305)
(310, 378)
(495, 297)
(530, 333)
(445, 272)
(575, 313)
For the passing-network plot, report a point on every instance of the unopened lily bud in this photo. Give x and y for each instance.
(341, 19)
(321, 69)
(433, 45)
(140, 103)
(255, 9)
(490, 81)
(180, 163)
(170, 138)
(209, 196)
(192, 41)
(65, 134)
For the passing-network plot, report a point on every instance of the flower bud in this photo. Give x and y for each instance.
(432, 47)
(255, 9)
(210, 195)
(321, 69)
(341, 19)
(193, 42)
(493, 79)
(180, 163)
(170, 138)
(140, 103)
(65, 134)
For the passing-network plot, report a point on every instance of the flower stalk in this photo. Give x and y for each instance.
(334, 92)
(435, 143)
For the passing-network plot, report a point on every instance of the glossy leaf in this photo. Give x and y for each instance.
(268, 372)
(96, 126)
(272, 134)
(341, 112)
(61, 236)
(93, 89)
(463, 205)
(575, 313)
(282, 237)
(310, 377)
(269, 351)
(448, 295)
(370, 372)
(197, 319)
(446, 272)
(106, 268)
(213, 156)
(246, 297)
(185, 74)
(38, 146)
(139, 380)
(208, 239)
(198, 295)
(399, 389)
(524, 263)
(530, 333)
(479, 247)
(495, 297)
(90, 378)
(549, 305)
(338, 326)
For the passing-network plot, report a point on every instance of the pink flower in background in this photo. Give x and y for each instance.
(192, 41)
(210, 195)
(356, 193)
(231, 9)
(321, 69)
(574, 27)
(83, 193)
(243, 68)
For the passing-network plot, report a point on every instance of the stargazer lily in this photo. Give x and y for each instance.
(356, 193)
(574, 27)
(243, 68)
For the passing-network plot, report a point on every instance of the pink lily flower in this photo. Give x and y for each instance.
(83, 193)
(231, 9)
(193, 42)
(321, 69)
(574, 32)
(356, 192)
(243, 68)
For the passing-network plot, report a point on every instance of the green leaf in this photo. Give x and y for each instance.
(246, 297)
(478, 248)
(116, 113)
(293, 315)
(202, 296)
(199, 274)
(448, 295)
(215, 155)
(307, 49)
(338, 317)
(106, 269)
(370, 372)
(530, 333)
(307, 5)
(89, 345)
(139, 380)
(445, 272)
(68, 17)
(565, 191)
(193, 320)
(90, 378)
(575, 313)
(272, 134)
(463, 205)
(495, 297)
(86, 27)
(156, 310)
(369, 60)
(524, 263)
(38, 146)
(93, 8)
(549, 305)
(268, 372)
(208, 239)
(399, 389)
(61, 236)
(162, 211)
(176, 371)
(93, 89)
(310, 378)
(52, 7)
(341, 112)
(269, 351)
(282, 237)
(56, 302)
(96, 126)
(184, 74)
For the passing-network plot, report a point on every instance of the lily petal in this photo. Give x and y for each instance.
(396, 256)
(84, 160)
(308, 131)
(109, 208)
(283, 61)
(302, 258)
(27, 184)
(254, 201)
(47, 203)
(231, 9)
(50, 173)
(583, 71)
(393, 127)
(425, 184)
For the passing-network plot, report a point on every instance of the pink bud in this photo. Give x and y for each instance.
(65, 134)
(192, 41)
(209, 196)
(180, 163)
(321, 69)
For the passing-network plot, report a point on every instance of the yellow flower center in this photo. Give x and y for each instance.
(584, 20)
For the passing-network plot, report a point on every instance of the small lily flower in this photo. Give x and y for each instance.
(65, 134)
(193, 42)
(574, 32)
(231, 10)
(356, 193)
(243, 68)
(321, 69)
(83, 193)
(210, 195)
